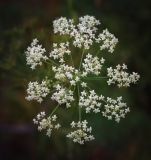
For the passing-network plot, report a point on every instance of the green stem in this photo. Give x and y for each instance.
(81, 59)
(94, 78)
(54, 110)
(72, 60)
(53, 62)
(78, 101)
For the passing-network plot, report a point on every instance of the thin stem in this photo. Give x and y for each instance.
(74, 89)
(72, 60)
(78, 101)
(53, 62)
(70, 52)
(81, 59)
(94, 78)
(54, 110)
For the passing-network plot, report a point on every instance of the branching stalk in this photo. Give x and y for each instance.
(78, 101)
(54, 110)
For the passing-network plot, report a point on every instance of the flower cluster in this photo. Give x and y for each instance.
(81, 133)
(120, 77)
(63, 26)
(90, 101)
(63, 96)
(35, 54)
(47, 124)
(66, 73)
(115, 109)
(83, 33)
(68, 79)
(108, 40)
(92, 65)
(37, 91)
(59, 51)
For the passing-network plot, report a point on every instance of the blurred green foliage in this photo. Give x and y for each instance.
(21, 21)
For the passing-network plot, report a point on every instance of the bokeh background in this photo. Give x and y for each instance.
(23, 20)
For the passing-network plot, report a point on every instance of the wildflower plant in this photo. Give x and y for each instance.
(68, 82)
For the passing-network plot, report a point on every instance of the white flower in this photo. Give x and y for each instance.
(39, 116)
(63, 96)
(71, 80)
(63, 25)
(54, 117)
(120, 77)
(47, 124)
(92, 65)
(59, 50)
(83, 33)
(35, 54)
(37, 91)
(57, 126)
(107, 40)
(83, 84)
(88, 24)
(90, 101)
(73, 124)
(66, 73)
(115, 109)
(82, 132)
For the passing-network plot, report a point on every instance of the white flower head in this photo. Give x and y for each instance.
(90, 101)
(92, 65)
(66, 73)
(35, 54)
(81, 133)
(63, 25)
(63, 96)
(108, 40)
(70, 82)
(46, 123)
(115, 109)
(37, 91)
(83, 33)
(59, 51)
(121, 77)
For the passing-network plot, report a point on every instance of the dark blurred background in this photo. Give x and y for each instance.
(23, 20)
